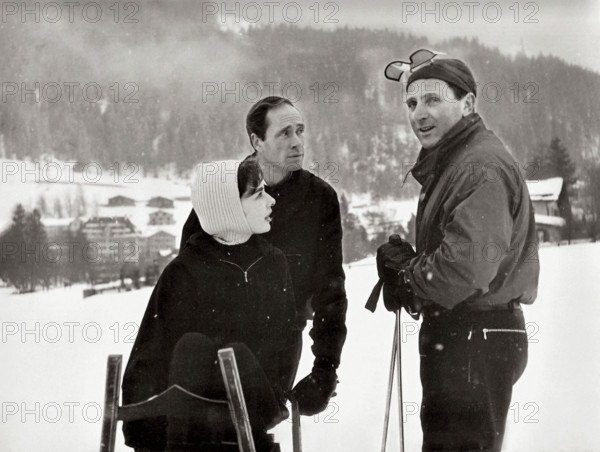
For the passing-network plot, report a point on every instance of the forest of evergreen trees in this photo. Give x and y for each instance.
(167, 97)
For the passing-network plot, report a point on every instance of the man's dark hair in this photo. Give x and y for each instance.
(256, 120)
(249, 175)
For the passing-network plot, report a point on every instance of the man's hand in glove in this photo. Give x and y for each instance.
(314, 391)
(393, 257)
(401, 296)
(392, 262)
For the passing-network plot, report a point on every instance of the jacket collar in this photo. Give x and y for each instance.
(431, 161)
(201, 242)
(288, 183)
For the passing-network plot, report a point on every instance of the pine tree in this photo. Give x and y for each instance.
(75, 264)
(540, 168)
(560, 163)
(554, 160)
(37, 264)
(354, 238)
(42, 205)
(79, 204)
(593, 194)
(57, 209)
(13, 268)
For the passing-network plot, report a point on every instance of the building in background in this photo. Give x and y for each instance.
(120, 200)
(111, 244)
(58, 229)
(160, 202)
(550, 199)
(160, 218)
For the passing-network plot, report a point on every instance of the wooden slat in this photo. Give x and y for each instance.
(111, 403)
(237, 403)
(176, 401)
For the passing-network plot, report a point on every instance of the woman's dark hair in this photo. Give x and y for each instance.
(256, 120)
(249, 175)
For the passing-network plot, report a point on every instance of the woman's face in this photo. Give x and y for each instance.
(257, 205)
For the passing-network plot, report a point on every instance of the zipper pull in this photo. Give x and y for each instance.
(485, 330)
(470, 334)
(246, 276)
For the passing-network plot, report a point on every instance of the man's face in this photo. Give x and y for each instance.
(432, 110)
(283, 146)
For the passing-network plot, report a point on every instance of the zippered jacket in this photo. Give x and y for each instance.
(476, 238)
(238, 293)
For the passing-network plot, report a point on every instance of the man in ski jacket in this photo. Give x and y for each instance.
(306, 226)
(476, 263)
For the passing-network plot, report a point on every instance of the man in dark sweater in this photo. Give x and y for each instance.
(306, 226)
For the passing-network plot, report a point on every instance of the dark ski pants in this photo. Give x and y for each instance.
(468, 369)
(194, 366)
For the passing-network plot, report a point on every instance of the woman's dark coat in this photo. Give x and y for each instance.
(238, 293)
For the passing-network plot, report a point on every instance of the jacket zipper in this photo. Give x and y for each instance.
(501, 330)
(243, 271)
(469, 364)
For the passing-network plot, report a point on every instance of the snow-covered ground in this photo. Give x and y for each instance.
(55, 344)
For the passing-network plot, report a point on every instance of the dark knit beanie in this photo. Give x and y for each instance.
(451, 71)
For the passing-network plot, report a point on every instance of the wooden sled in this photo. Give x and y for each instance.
(178, 401)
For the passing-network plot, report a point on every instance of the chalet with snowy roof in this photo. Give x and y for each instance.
(160, 218)
(157, 249)
(547, 196)
(120, 200)
(156, 244)
(160, 202)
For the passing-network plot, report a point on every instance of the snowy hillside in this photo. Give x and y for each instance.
(28, 182)
(392, 211)
(55, 344)
(56, 182)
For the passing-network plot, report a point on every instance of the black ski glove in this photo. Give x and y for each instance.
(393, 257)
(396, 296)
(314, 391)
(392, 266)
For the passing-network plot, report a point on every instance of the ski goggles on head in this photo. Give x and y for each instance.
(418, 58)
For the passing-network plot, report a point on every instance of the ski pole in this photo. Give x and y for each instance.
(399, 369)
(297, 440)
(388, 400)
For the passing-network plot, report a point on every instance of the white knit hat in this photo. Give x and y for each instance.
(216, 200)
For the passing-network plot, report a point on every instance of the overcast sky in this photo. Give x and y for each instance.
(567, 29)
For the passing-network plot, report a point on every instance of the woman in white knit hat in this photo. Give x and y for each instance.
(229, 287)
